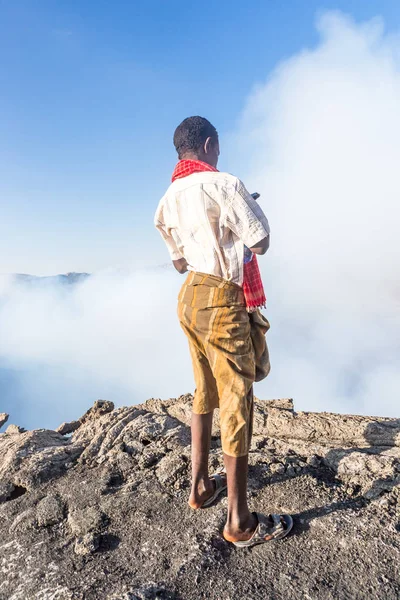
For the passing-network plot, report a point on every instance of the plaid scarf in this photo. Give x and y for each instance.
(252, 284)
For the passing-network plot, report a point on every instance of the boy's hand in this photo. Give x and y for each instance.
(261, 247)
(180, 265)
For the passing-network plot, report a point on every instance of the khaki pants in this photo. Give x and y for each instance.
(229, 353)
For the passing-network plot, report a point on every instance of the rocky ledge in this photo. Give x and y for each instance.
(98, 509)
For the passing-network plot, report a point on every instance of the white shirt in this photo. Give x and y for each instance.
(207, 218)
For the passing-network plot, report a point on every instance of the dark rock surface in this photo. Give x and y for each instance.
(103, 514)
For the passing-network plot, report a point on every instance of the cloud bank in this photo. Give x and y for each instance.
(114, 336)
(321, 141)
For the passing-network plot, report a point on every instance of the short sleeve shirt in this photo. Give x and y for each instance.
(207, 218)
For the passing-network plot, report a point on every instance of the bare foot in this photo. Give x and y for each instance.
(201, 493)
(241, 532)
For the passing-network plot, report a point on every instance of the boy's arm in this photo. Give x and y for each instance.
(178, 261)
(262, 246)
(246, 219)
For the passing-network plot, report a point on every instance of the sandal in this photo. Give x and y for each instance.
(220, 486)
(264, 532)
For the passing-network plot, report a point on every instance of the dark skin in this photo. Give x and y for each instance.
(240, 523)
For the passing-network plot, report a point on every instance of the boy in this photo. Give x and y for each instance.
(213, 228)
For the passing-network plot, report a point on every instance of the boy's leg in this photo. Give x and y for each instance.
(231, 354)
(205, 400)
(240, 523)
(202, 486)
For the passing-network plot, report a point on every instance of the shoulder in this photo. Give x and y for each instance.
(232, 187)
(224, 184)
(221, 178)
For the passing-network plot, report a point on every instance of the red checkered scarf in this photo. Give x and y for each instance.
(252, 284)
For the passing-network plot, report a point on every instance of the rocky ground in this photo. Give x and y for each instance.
(98, 510)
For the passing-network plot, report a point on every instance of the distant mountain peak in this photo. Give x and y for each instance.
(69, 278)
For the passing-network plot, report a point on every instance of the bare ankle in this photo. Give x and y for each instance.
(201, 481)
(240, 522)
(240, 529)
(202, 488)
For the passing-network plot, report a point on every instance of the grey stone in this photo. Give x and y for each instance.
(89, 520)
(170, 467)
(49, 511)
(277, 468)
(32, 457)
(290, 471)
(150, 592)
(313, 461)
(24, 521)
(14, 429)
(147, 592)
(99, 408)
(133, 447)
(150, 457)
(3, 418)
(6, 489)
(88, 544)
(66, 428)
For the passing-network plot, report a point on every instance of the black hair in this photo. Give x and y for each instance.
(191, 135)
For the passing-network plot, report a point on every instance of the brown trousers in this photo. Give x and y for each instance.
(229, 353)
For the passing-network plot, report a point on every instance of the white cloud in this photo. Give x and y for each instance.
(321, 139)
(114, 335)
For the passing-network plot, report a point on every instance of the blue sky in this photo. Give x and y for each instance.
(91, 92)
(306, 102)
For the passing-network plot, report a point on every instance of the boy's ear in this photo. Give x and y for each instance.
(207, 145)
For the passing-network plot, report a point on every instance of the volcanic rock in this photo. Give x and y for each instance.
(103, 514)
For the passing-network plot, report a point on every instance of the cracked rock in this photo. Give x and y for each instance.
(104, 515)
(49, 511)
